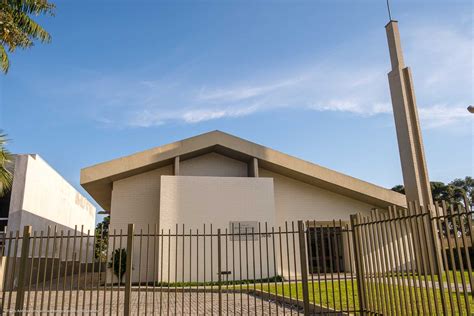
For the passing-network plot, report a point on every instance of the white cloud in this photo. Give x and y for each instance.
(353, 106)
(441, 58)
(246, 92)
(147, 118)
(200, 115)
(443, 115)
(442, 61)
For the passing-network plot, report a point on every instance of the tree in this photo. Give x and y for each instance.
(454, 193)
(399, 188)
(102, 239)
(467, 185)
(6, 177)
(18, 29)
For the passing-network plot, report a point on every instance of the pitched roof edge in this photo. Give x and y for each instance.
(100, 176)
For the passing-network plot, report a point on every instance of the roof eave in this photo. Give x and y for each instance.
(98, 179)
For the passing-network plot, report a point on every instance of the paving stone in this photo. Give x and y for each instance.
(144, 303)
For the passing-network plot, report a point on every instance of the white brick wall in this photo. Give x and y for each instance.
(195, 201)
(218, 200)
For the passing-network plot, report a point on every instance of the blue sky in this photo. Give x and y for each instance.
(305, 78)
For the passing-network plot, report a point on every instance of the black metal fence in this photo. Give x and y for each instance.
(399, 262)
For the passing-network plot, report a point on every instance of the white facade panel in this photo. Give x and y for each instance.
(193, 201)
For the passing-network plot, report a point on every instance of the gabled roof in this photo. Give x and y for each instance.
(97, 180)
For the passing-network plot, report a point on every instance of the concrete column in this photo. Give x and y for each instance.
(410, 142)
(176, 166)
(253, 168)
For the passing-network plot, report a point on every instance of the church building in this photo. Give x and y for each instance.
(233, 184)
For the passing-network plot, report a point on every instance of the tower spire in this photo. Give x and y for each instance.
(410, 142)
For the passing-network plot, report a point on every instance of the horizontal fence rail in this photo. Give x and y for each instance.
(395, 262)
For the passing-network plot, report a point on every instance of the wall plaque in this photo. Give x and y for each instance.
(243, 230)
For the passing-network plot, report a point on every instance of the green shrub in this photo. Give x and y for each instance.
(118, 263)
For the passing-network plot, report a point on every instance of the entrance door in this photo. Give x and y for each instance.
(326, 252)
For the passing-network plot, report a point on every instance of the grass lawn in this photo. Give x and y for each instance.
(338, 295)
(345, 296)
(445, 275)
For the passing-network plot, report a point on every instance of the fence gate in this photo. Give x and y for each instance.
(415, 261)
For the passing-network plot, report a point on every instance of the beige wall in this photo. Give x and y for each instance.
(213, 165)
(214, 189)
(295, 200)
(137, 200)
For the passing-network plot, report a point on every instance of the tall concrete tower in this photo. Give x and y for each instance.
(410, 142)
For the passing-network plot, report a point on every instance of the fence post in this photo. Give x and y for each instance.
(304, 267)
(437, 253)
(22, 273)
(219, 270)
(128, 269)
(358, 265)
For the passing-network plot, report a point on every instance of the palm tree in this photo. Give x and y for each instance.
(17, 28)
(5, 158)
